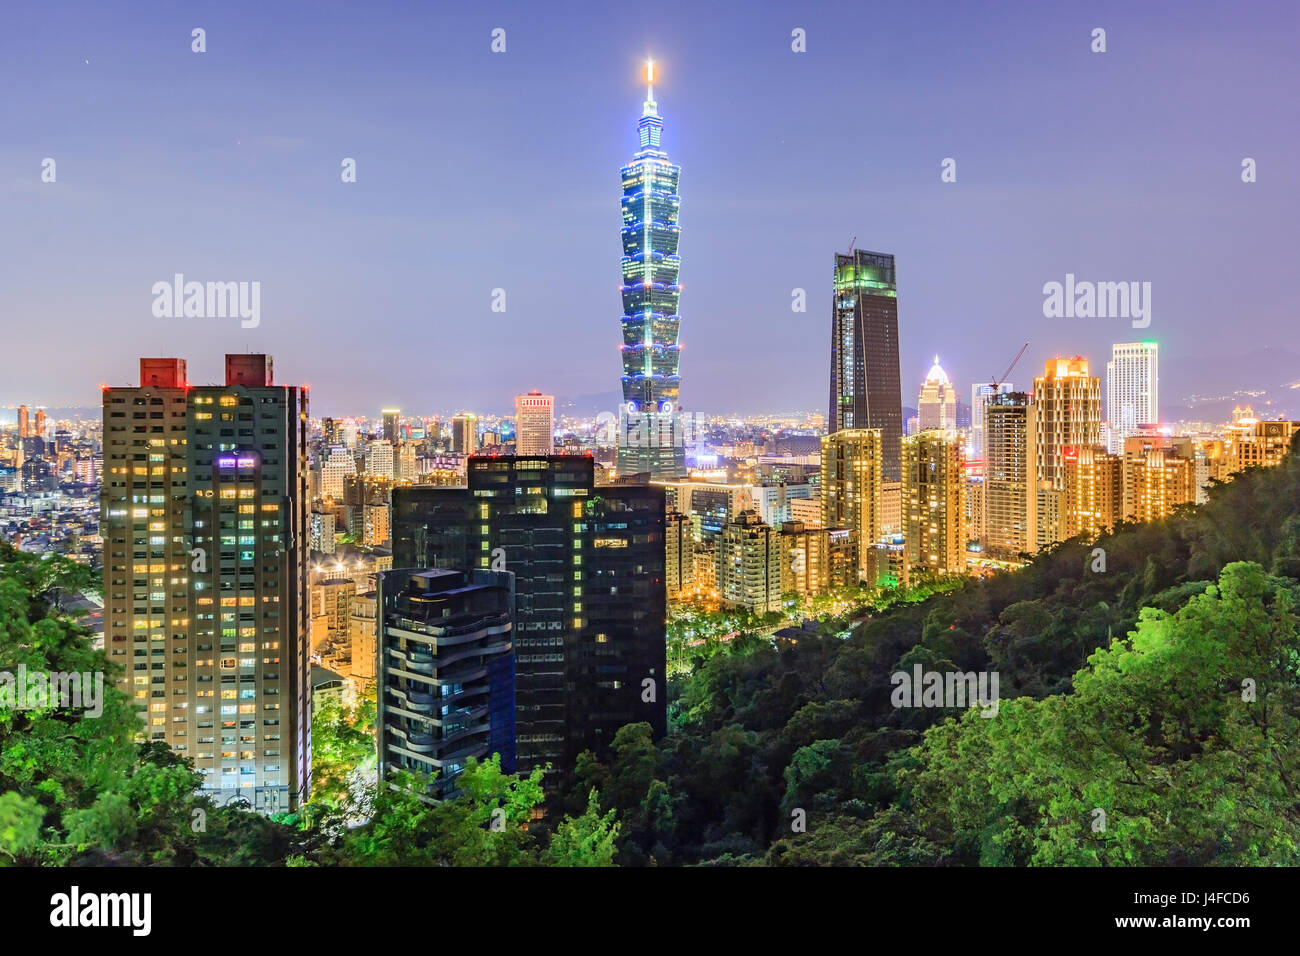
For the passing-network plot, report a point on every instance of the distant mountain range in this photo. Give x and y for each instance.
(1207, 387)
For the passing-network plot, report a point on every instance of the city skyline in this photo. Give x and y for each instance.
(1041, 193)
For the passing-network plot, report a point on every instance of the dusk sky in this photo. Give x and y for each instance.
(479, 171)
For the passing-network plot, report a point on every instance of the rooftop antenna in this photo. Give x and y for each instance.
(853, 242)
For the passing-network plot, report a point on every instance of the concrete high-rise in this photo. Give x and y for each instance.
(1094, 491)
(852, 487)
(1011, 453)
(590, 605)
(679, 555)
(651, 439)
(379, 459)
(1132, 391)
(204, 520)
(1158, 478)
(338, 464)
(864, 382)
(1067, 414)
(749, 564)
(934, 504)
(534, 424)
(979, 396)
(464, 434)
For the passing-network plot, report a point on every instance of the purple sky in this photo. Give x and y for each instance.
(479, 171)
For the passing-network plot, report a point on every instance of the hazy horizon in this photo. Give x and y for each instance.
(479, 171)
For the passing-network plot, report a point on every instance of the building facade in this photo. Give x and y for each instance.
(204, 520)
(1132, 391)
(590, 604)
(852, 486)
(1067, 414)
(749, 565)
(934, 504)
(464, 434)
(446, 672)
(1010, 485)
(651, 439)
(534, 424)
(936, 405)
(865, 391)
(1094, 491)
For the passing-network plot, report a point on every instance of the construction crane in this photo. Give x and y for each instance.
(993, 385)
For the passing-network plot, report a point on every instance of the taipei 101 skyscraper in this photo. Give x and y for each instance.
(650, 438)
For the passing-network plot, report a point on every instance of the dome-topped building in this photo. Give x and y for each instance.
(937, 404)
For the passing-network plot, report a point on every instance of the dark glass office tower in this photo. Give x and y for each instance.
(590, 601)
(650, 439)
(446, 671)
(865, 390)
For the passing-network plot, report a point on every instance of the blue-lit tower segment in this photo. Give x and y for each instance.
(651, 441)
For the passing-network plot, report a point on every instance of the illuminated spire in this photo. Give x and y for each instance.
(650, 107)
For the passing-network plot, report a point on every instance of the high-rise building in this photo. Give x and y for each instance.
(936, 406)
(446, 672)
(1132, 391)
(816, 559)
(464, 434)
(204, 520)
(590, 606)
(650, 438)
(852, 489)
(679, 555)
(749, 565)
(379, 459)
(24, 422)
(1252, 443)
(976, 471)
(865, 389)
(772, 499)
(363, 633)
(979, 396)
(1010, 454)
(807, 511)
(321, 533)
(40, 424)
(1157, 479)
(391, 415)
(338, 464)
(534, 424)
(1067, 414)
(708, 504)
(934, 504)
(330, 608)
(1094, 491)
(366, 507)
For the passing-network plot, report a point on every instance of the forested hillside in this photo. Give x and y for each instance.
(1129, 740)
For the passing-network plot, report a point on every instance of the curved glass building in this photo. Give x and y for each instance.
(651, 438)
